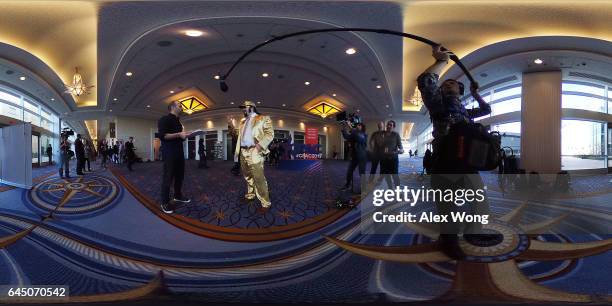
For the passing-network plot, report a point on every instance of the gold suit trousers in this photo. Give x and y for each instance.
(252, 167)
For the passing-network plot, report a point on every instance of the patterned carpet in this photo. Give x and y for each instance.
(106, 245)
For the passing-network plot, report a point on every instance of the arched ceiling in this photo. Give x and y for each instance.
(319, 59)
(62, 34)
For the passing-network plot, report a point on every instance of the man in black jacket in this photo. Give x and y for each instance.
(79, 149)
(129, 153)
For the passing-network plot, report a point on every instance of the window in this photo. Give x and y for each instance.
(506, 106)
(26, 110)
(584, 96)
(503, 100)
(582, 144)
(511, 135)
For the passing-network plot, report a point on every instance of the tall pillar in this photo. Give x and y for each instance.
(541, 122)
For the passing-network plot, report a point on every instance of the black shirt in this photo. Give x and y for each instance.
(170, 124)
(392, 143)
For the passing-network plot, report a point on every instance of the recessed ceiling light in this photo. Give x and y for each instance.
(538, 61)
(22, 78)
(194, 33)
(172, 91)
(52, 99)
(265, 75)
(351, 51)
(306, 83)
(232, 103)
(148, 106)
(115, 99)
(111, 110)
(217, 77)
(258, 102)
(284, 104)
(378, 86)
(129, 73)
(358, 110)
(333, 95)
(387, 106)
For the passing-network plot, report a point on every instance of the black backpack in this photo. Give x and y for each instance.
(473, 146)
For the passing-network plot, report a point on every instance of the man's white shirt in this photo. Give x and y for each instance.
(246, 139)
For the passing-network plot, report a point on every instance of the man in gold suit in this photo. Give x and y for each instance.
(254, 135)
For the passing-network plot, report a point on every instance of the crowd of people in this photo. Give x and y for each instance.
(85, 153)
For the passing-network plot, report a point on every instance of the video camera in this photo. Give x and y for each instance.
(66, 132)
(351, 118)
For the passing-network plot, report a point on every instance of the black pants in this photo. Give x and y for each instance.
(174, 170)
(202, 162)
(389, 166)
(375, 162)
(80, 165)
(359, 160)
(131, 158)
(86, 162)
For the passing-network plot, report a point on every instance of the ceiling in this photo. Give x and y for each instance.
(107, 38)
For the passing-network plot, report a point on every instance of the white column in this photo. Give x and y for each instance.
(541, 122)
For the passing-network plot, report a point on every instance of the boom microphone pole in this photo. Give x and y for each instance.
(225, 88)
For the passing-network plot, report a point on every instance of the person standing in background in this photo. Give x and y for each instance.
(50, 154)
(79, 149)
(64, 163)
(130, 155)
(202, 154)
(88, 155)
(390, 159)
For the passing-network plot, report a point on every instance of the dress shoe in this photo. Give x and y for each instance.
(263, 210)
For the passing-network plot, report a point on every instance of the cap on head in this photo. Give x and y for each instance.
(247, 103)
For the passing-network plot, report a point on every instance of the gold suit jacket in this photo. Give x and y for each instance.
(263, 133)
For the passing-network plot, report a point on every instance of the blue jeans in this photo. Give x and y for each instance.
(64, 164)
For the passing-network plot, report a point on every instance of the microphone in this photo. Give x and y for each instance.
(223, 85)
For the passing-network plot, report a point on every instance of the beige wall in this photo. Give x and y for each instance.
(141, 130)
(541, 122)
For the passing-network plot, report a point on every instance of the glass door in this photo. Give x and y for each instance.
(609, 145)
(35, 150)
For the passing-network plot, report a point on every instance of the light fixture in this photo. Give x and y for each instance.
(333, 95)
(265, 75)
(387, 106)
(52, 99)
(323, 109)
(258, 102)
(129, 73)
(351, 51)
(115, 99)
(416, 98)
(306, 83)
(232, 103)
(378, 86)
(284, 104)
(216, 77)
(148, 106)
(22, 78)
(191, 105)
(172, 91)
(538, 61)
(77, 88)
(111, 110)
(194, 33)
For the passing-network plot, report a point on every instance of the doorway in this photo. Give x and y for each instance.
(36, 150)
(609, 147)
(191, 148)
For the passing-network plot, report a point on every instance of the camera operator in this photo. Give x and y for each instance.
(64, 169)
(355, 133)
(448, 114)
(377, 148)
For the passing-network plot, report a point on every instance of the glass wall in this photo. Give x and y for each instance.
(583, 144)
(511, 135)
(503, 99)
(20, 107)
(584, 96)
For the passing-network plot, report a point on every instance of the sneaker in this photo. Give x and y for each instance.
(182, 199)
(165, 207)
